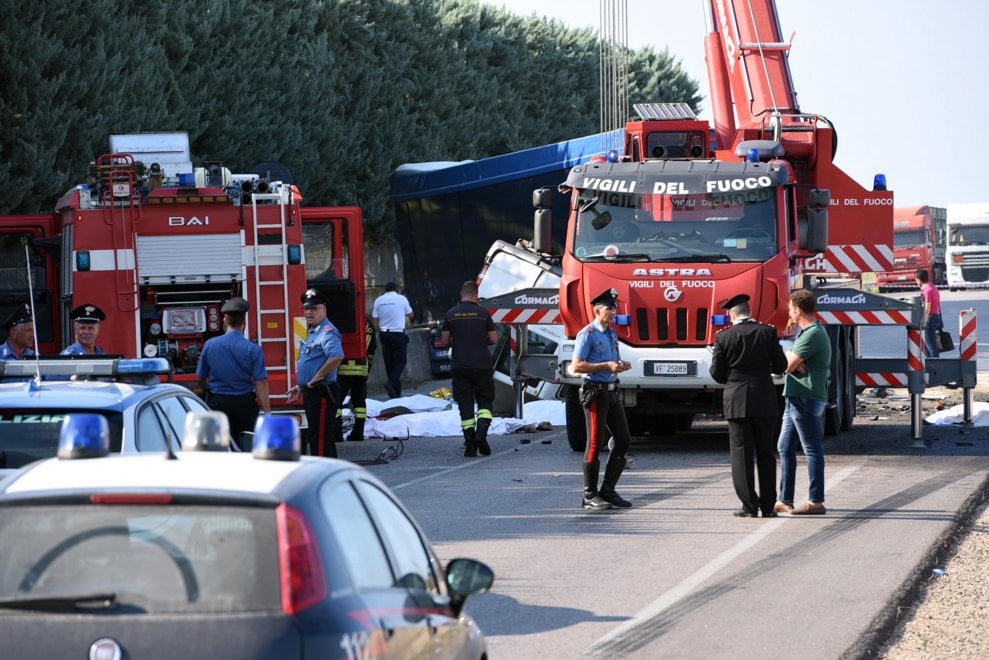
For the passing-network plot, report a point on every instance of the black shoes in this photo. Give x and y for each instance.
(614, 499)
(483, 447)
(595, 503)
(745, 513)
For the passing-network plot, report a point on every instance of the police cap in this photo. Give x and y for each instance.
(20, 315)
(312, 297)
(87, 314)
(235, 305)
(608, 298)
(734, 301)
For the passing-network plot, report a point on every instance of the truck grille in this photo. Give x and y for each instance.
(672, 324)
(976, 267)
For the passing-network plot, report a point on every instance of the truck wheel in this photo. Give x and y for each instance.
(683, 422)
(850, 403)
(835, 411)
(576, 426)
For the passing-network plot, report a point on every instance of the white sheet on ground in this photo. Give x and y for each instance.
(433, 417)
(956, 415)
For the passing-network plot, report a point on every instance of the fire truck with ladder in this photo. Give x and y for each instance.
(679, 223)
(159, 245)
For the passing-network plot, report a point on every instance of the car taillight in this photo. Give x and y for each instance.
(300, 562)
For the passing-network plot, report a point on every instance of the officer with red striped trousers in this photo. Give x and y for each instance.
(596, 359)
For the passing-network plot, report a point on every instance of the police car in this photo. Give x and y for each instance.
(212, 554)
(143, 414)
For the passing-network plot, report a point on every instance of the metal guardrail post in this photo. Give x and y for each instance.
(967, 350)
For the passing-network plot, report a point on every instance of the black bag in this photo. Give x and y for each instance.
(944, 341)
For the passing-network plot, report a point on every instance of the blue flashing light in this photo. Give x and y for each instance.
(752, 156)
(276, 438)
(623, 319)
(720, 320)
(879, 182)
(84, 435)
(83, 261)
(143, 366)
(295, 254)
(612, 155)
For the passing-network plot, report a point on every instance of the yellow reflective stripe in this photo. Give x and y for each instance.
(466, 424)
(484, 413)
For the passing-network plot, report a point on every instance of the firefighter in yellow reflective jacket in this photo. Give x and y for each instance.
(352, 378)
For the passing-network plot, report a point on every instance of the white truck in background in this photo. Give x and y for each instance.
(967, 254)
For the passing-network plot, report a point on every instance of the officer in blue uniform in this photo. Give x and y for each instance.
(232, 372)
(596, 359)
(86, 321)
(319, 357)
(19, 328)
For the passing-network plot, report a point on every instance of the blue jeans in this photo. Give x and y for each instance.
(804, 418)
(934, 324)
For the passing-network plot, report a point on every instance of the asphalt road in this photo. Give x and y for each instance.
(678, 575)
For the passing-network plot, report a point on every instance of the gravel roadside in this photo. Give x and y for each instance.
(949, 617)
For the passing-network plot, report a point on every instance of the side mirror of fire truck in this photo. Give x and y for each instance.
(542, 230)
(814, 228)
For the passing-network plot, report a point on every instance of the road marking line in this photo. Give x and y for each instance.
(705, 572)
(472, 462)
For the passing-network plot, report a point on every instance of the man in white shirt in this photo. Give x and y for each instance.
(389, 315)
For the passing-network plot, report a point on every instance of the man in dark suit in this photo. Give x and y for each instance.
(746, 354)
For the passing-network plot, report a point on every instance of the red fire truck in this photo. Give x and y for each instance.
(159, 245)
(920, 236)
(679, 224)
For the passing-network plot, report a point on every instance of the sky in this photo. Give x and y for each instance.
(900, 80)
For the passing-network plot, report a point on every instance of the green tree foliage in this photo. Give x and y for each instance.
(339, 91)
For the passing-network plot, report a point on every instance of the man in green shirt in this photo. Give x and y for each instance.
(806, 393)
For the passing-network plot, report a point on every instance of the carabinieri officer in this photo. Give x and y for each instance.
(86, 321)
(596, 357)
(319, 357)
(233, 372)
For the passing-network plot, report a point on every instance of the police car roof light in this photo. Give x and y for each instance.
(84, 436)
(206, 431)
(91, 367)
(276, 438)
(142, 366)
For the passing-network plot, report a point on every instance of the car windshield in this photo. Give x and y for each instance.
(149, 559)
(28, 435)
(691, 227)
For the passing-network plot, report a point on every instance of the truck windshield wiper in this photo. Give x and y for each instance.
(618, 257)
(88, 602)
(708, 258)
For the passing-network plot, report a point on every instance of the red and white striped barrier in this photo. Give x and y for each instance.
(915, 362)
(865, 318)
(522, 315)
(967, 334)
(881, 380)
(852, 259)
(915, 351)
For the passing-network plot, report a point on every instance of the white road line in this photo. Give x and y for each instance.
(705, 572)
(471, 463)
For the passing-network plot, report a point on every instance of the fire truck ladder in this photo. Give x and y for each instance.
(275, 258)
(121, 203)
